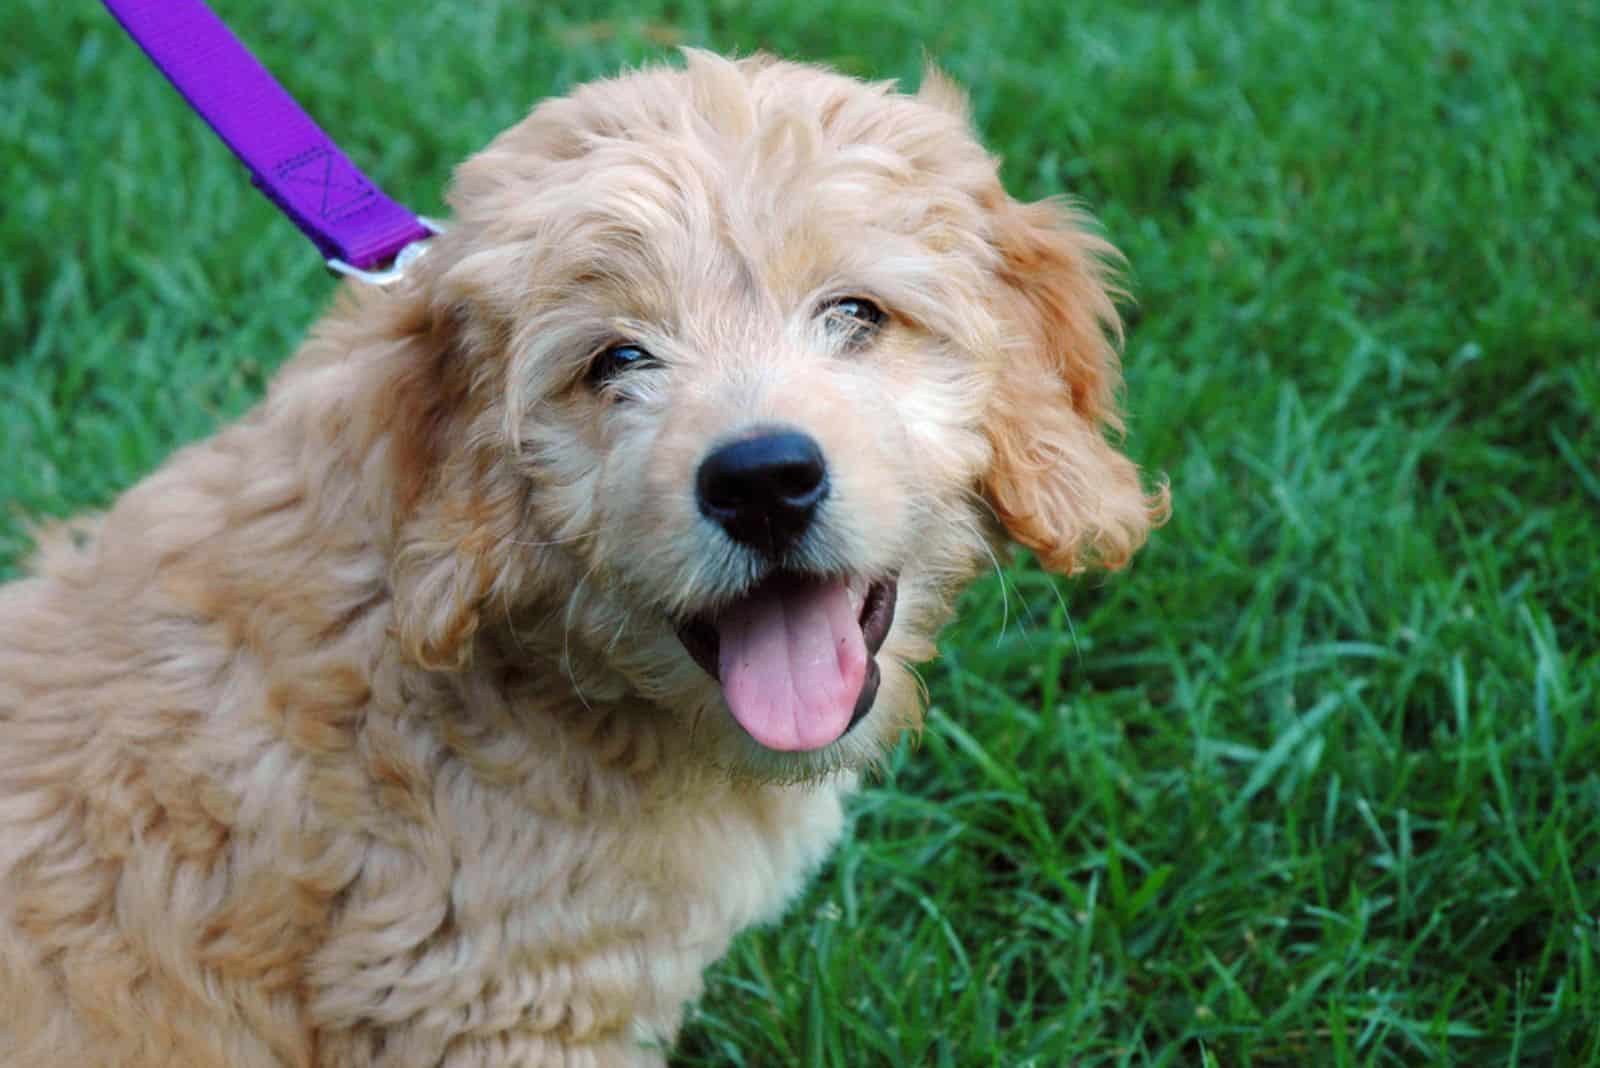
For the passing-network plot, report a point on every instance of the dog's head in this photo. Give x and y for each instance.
(743, 369)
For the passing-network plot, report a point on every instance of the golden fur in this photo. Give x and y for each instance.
(358, 733)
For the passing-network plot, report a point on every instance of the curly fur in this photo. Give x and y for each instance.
(359, 734)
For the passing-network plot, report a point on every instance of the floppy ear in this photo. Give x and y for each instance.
(1057, 484)
(456, 508)
(455, 554)
(447, 571)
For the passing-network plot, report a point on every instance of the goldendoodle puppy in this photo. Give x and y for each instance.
(459, 704)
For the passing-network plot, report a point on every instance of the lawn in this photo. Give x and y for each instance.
(1317, 780)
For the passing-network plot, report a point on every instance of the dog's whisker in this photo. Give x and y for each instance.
(694, 722)
(1066, 617)
(622, 626)
(573, 601)
(999, 572)
(994, 560)
(511, 622)
(556, 541)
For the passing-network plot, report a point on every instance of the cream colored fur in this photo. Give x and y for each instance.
(358, 734)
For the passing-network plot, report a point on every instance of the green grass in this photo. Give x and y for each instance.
(1318, 781)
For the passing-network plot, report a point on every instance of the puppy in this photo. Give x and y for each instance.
(461, 702)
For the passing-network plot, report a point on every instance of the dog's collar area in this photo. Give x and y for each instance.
(388, 275)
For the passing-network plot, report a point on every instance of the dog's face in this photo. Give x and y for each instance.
(758, 362)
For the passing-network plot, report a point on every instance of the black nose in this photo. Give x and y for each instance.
(764, 490)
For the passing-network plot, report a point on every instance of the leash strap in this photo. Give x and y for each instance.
(291, 160)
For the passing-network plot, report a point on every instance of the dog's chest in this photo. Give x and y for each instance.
(507, 933)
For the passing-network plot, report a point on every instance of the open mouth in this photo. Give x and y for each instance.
(796, 655)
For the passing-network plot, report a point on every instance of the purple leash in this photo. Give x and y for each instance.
(359, 230)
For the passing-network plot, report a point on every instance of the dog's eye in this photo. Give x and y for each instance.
(856, 318)
(621, 357)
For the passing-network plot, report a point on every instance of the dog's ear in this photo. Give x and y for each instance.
(449, 565)
(456, 509)
(1056, 482)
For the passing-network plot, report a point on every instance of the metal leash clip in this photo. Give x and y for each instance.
(397, 267)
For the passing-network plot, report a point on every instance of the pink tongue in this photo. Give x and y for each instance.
(792, 663)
